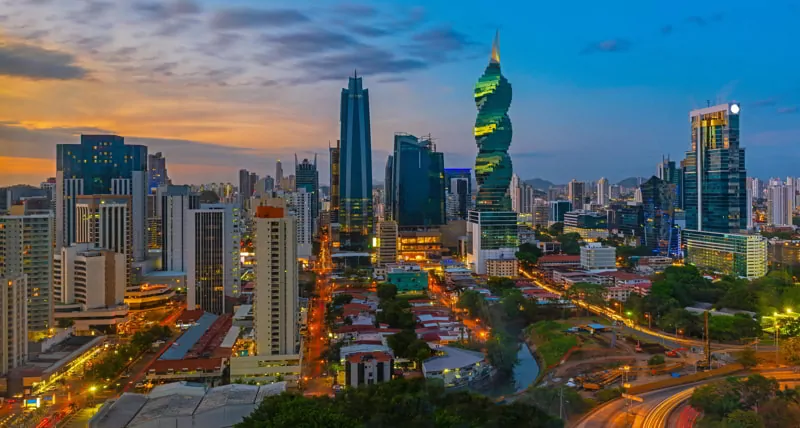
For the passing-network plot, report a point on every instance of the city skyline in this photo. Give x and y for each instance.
(211, 119)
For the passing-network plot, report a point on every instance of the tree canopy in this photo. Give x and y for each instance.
(398, 403)
(756, 401)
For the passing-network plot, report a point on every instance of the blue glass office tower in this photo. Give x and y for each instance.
(658, 201)
(355, 168)
(417, 182)
(714, 176)
(458, 182)
(101, 165)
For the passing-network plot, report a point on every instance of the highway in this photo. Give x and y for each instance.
(655, 410)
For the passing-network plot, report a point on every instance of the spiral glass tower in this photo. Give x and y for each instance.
(493, 136)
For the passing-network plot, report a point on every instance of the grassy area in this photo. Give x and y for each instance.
(552, 343)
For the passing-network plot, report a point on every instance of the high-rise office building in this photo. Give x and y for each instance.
(104, 222)
(492, 227)
(156, 172)
(458, 183)
(276, 291)
(176, 201)
(780, 205)
(575, 194)
(26, 248)
(515, 193)
(13, 322)
(334, 172)
(307, 179)
(727, 253)
(355, 163)
(279, 173)
(417, 183)
(658, 201)
(541, 213)
(669, 172)
(245, 186)
(558, 209)
(212, 256)
(388, 188)
(615, 192)
(715, 197)
(298, 205)
(602, 191)
(89, 277)
(101, 165)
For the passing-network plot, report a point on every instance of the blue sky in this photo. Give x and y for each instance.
(600, 88)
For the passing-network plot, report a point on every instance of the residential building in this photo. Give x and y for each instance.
(727, 253)
(335, 182)
(780, 204)
(279, 173)
(212, 256)
(245, 185)
(627, 219)
(176, 203)
(355, 161)
(596, 257)
(615, 192)
(368, 368)
(13, 322)
(576, 194)
(502, 267)
(603, 189)
(407, 277)
(515, 193)
(541, 213)
(26, 248)
(276, 293)
(104, 222)
(88, 284)
(298, 205)
(715, 197)
(101, 165)
(156, 172)
(456, 367)
(387, 242)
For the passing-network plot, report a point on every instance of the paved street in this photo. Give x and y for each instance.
(316, 340)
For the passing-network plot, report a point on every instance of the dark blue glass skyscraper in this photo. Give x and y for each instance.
(307, 177)
(101, 165)
(355, 168)
(417, 182)
(714, 175)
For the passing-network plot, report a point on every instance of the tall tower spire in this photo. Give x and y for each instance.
(495, 58)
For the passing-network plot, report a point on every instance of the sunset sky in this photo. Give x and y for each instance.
(600, 88)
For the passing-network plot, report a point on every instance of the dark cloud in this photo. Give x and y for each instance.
(175, 26)
(37, 63)
(392, 80)
(368, 30)
(300, 44)
(787, 110)
(240, 18)
(767, 102)
(667, 29)
(356, 10)
(166, 10)
(612, 45)
(165, 68)
(439, 43)
(368, 61)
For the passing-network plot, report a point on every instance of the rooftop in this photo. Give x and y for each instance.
(452, 359)
(184, 404)
(379, 356)
(187, 340)
(559, 258)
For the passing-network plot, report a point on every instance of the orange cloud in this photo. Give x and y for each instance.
(25, 170)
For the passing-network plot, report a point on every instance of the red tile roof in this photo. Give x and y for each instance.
(559, 258)
(382, 357)
(189, 316)
(356, 307)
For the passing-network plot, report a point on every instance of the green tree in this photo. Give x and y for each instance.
(472, 302)
(341, 299)
(294, 411)
(528, 255)
(497, 285)
(790, 349)
(387, 291)
(556, 229)
(744, 419)
(570, 243)
(501, 351)
(656, 360)
(513, 303)
(747, 358)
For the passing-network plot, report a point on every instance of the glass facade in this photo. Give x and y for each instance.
(307, 177)
(498, 230)
(98, 159)
(558, 209)
(714, 175)
(355, 168)
(627, 219)
(493, 134)
(418, 182)
(458, 183)
(727, 253)
(388, 189)
(660, 233)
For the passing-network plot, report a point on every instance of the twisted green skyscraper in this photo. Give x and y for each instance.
(493, 136)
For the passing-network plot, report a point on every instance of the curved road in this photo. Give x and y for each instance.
(655, 410)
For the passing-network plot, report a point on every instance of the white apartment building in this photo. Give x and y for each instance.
(89, 284)
(387, 242)
(602, 191)
(299, 204)
(276, 291)
(597, 258)
(26, 243)
(13, 323)
(105, 222)
(212, 256)
(780, 204)
(175, 203)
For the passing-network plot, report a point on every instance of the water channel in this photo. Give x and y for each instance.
(525, 373)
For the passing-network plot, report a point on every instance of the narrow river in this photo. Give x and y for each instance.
(525, 373)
